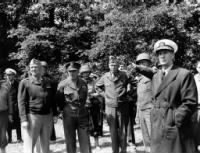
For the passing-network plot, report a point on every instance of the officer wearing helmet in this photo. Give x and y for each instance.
(174, 95)
(144, 100)
(94, 104)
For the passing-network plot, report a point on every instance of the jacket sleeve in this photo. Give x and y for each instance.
(99, 86)
(60, 98)
(188, 94)
(10, 104)
(54, 101)
(22, 100)
(148, 72)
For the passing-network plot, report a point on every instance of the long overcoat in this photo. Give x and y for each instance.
(175, 101)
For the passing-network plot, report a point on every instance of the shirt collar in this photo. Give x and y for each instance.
(167, 70)
(35, 81)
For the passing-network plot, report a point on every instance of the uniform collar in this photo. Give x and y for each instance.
(35, 81)
(71, 84)
(166, 71)
(115, 77)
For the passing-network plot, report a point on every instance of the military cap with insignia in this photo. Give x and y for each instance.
(85, 68)
(165, 44)
(10, 71)
(73, 66)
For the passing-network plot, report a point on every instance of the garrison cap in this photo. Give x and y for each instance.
(44, 63)
(35, 62)
(73, 66)
(165, 44)
(85, 68)
(113, 60)
(10, 71)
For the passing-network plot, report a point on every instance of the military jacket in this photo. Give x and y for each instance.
(71, 95)
(35, 98)
(115, 88)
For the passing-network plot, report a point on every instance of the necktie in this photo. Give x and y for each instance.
(163, 75)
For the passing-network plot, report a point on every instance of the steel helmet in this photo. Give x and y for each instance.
(85, 68)
(143, 56)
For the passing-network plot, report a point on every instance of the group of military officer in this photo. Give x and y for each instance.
(166, 102)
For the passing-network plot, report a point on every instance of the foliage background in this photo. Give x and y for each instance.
(61, 31)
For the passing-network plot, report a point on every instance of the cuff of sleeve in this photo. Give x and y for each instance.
(24, 118)
(198, 106)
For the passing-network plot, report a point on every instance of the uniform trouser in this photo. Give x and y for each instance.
(53, 132)
(76, 121)
(117, 119)
(18, 130)
(145, 124)
(131, 122)
(3, 129)
(39, 127)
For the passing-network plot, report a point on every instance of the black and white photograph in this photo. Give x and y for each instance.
(99, 76)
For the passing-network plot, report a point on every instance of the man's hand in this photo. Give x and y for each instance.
(25, 124)
(55, 119)
(134, 65)
(10, 118)
(198, 115)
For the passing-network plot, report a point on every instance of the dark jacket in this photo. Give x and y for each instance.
(5, 98)
(35, 98)
(144, 93)
(115, 88)
(69, 95)
(13, 95)
(175, 101)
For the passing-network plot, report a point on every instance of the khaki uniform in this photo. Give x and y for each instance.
(115, 89)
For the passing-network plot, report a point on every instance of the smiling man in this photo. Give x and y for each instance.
(174, 102)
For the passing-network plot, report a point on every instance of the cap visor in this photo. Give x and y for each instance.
(163, 48)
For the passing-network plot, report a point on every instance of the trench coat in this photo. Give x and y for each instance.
(174, 103)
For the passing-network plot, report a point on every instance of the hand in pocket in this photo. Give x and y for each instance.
(171, 132)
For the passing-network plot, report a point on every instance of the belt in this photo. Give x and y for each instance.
(162, 104)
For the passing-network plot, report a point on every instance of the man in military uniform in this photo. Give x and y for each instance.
(114, 84)
(144, 100)
(72, 95)
(6, 114)
(94, 104)
(10, 75)
(174, 102)
(54, 85)
(36, 106)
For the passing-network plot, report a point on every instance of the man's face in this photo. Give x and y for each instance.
(43, 70)
(198, 67)
(113, 67)
(35, 70)
(165, 57)
(73, 74)
(85, 74)
(10, 77)
(145, 63)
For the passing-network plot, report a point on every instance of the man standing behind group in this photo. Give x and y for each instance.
(174, 102)
(36, 104)
(54, 87)
(114, 84)
(10, 75)
(6, 114)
